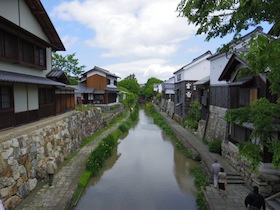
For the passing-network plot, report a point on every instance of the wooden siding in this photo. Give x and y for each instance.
(96, 81)
(219, 96)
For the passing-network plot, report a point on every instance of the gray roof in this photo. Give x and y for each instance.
(202, 81)
(112, 89)
(29, 79)
(82, 88)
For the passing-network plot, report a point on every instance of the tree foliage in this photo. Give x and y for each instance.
(70, 65)
(222, 17)
(130, 83)
(148, 89)
(262, 115)
(218, 18)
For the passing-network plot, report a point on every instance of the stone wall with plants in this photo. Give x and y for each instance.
(23, 157)
(267, 179)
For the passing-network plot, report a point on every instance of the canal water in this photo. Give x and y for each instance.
(146, 171)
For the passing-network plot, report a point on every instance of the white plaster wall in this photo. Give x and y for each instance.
(96, 72)
(217, 66)
(197, 71)
(9, 10)
(19, 13)
(20, 97)
(33, 101)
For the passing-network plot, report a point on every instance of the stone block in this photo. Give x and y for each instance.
(12, 202)
(32, 183)
(23, 190)
(7, 153)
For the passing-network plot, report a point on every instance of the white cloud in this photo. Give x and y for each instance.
(127, 28)
(144, 69)
(69, 41)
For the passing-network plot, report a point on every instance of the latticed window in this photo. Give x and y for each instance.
(6, 97)
(16, 49)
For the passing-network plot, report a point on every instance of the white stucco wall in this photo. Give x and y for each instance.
(218, 64)
(91, 73)
(19, 13)
(196, 70)
(25, 101)
(20, 97)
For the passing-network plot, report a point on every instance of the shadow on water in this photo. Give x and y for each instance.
(146, 171)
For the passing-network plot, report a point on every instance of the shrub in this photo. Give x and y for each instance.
(200, 182)
(124, 127)
(215, 146)
(194, 115)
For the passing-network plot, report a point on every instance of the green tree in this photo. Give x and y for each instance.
(70, 65)
(220, 18)
(262, 115)
(148, 89)
(130, 83)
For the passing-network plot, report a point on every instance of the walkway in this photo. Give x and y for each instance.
(234, 194)
(65, 181)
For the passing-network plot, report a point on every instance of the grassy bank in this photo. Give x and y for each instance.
(104, 150)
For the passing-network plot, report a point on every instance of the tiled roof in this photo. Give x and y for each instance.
(29, 79)
(39, 12)
(203, 81)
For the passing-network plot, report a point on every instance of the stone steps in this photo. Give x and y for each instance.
(234, 178)
(273, 202)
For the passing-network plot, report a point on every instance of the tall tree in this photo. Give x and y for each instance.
(222, 17)
(131, 84)
(70, 65)
(148, 89)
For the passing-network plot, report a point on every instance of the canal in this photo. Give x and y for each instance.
(146, 171)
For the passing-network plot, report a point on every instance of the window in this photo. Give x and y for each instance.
(14, 48)
(26, 52)
(179, 77)
(6, 97)
(45, 96)
(40, 56)
(8, 46)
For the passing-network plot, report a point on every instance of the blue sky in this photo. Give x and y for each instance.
(143, 37)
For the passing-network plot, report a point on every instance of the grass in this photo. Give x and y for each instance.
(98, 156)
(200, 182)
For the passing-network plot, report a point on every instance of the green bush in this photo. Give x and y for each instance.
(194, 115)
(200, 182)
(215, 146)
(124, 127)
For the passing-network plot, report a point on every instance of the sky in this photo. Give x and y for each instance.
(141, 37)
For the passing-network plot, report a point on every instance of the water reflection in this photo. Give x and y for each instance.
(145, 172)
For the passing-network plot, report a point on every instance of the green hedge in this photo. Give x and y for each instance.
(104, 150)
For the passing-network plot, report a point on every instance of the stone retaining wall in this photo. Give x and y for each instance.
(267, 179)
(216, 124)
(23, 157)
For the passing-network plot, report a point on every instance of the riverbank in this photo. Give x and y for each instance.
(65, 180)
(235, 192)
